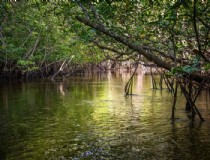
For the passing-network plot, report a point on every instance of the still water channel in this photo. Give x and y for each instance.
(89, 118)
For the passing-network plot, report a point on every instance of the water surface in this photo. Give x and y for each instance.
(90, 118)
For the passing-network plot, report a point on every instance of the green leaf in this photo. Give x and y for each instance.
(190, 69)
(176, 70)
(207, 66)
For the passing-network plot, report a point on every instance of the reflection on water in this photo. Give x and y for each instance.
(90, 118)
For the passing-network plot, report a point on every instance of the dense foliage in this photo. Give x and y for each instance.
(45, 37)
(38, 39)
(169, 33)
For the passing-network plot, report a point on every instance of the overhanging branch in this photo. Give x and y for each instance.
(125, 41)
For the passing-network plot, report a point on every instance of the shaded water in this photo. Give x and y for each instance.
(90, 118)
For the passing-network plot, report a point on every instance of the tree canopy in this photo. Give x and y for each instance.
(40, 35)
(37, 37)
(172, 34)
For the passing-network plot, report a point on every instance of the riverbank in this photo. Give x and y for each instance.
(62, 70)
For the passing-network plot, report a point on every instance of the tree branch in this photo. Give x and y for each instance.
(197, 34)
(126, 42)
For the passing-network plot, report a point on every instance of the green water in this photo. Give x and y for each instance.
(90, 118)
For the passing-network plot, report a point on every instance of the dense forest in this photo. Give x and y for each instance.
(39, 38)
(52, 38)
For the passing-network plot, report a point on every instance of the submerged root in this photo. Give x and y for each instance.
(128, 87)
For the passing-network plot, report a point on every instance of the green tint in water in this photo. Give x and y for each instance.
(90, 118)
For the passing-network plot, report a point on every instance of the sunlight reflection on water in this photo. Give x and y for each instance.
(90, 118)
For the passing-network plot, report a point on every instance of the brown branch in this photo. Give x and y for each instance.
(119, 53)
(163, 54)
(83, 9)
(126, 42)
(205, 24)
(108, 48)
(32, 50)
(196, 32)
(93, 10)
